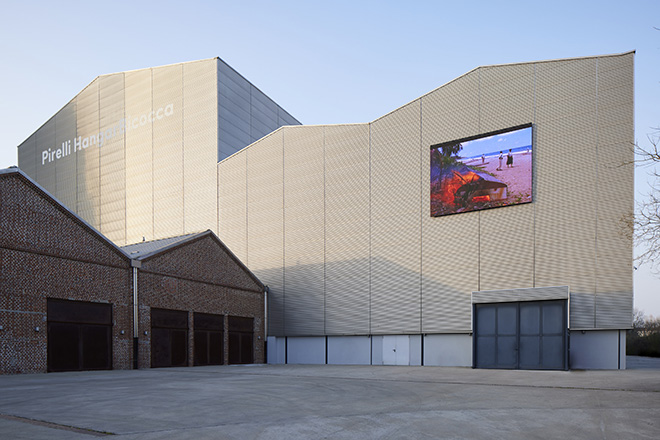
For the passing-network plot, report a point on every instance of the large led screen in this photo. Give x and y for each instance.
(481, 172)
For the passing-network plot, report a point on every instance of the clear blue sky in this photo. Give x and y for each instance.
(325, 62)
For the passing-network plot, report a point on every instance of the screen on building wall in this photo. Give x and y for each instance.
(481, 172)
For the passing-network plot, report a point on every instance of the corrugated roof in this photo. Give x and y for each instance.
(143, 248)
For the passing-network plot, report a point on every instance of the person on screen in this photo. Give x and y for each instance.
(483, 159)
(509, 159)
(499, 168)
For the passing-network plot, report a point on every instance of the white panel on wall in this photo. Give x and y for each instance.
(349, 350)
(396, 222)
(168, 152)
(200, 141)
(306, 350)
(304, 233)
(448, 350)
(139, 157)
(112, 158)
(347, 229)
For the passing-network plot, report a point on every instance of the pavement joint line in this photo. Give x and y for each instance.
(459, 383)
(56, 426)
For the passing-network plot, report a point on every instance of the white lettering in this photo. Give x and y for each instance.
(103, 136)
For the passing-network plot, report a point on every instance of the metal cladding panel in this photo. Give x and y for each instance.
(450, 244)
(396, 223)
(582, 308)
(304, 234)
(46, 171)
(112, 160)
(139, 155)
(232, 200)
(506, 96)
(168, 152)
(347, 229)
(27, 156)
(507, 248)
(516, 295)
(614, 310)
(200, 134)
(566, 179)
(235, 118)
(66, 176)
(233, 99)
(451, 112)
(87, 160)
(265, 221)
(263, 108)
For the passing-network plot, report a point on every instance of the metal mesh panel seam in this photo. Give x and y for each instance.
(421, 221)
(370, 229)
(183, 150)
(283, 237)
(325, 255)
(534, 144)
(596, 208)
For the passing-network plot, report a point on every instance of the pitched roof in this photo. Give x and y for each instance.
(16, 172)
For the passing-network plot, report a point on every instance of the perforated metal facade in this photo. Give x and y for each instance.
(349, 247)
(135, 153)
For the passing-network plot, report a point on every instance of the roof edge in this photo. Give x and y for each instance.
(504, 65)
(11, 171)
(196, 237)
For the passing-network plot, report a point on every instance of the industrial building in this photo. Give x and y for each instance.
(401, 241)
(72, 300)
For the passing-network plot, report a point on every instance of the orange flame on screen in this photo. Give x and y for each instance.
(452, 184)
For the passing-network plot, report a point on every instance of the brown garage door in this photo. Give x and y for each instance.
(169, 338)
(79, 335)
(241, 335)
(209, 339)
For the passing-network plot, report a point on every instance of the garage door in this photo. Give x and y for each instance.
(79, 335)
(241, 335)
(169, 338)
(527, 335)
(209, 339)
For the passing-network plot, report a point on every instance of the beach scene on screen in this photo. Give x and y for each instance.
(488, 172)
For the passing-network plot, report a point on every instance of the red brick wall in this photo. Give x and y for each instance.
(47, 253)
(199, 276)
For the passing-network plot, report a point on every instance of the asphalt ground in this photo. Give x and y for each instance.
(334, 402)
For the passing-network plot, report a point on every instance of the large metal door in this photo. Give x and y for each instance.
(79, 335)
(169, 338)
(241, 337)
(209, 339)
(526, 335)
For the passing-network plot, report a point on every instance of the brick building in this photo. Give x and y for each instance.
(67, 294)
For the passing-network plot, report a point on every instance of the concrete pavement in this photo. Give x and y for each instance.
(325, 401)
